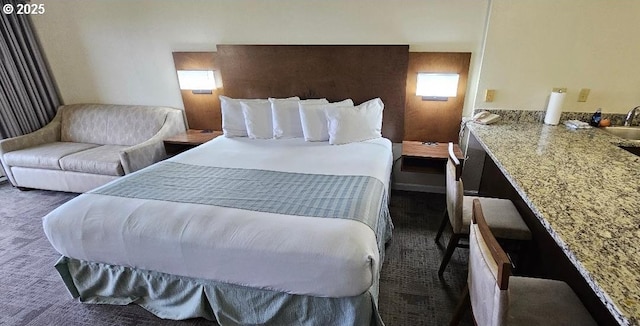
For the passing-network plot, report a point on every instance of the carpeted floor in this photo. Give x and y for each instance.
(32, 293)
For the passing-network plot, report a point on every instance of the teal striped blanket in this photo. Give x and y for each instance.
(360, 198)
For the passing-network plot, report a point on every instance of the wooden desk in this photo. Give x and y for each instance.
(426, 157)
(192, 138)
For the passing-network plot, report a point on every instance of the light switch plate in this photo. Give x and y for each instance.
(489, 94)
(584, 94)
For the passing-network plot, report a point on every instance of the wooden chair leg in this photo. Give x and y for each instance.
(443, 224)
(453, 243)
(463, 305)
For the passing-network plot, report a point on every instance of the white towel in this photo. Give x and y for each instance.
(577, 124)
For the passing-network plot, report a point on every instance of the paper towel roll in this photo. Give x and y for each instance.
(554, 109)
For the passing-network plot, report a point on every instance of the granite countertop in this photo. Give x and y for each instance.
(585, 191)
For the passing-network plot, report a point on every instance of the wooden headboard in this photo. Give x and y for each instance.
(334, 72)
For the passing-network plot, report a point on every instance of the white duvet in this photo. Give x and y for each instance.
(294, 254)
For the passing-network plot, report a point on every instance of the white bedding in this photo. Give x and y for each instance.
(293, 254)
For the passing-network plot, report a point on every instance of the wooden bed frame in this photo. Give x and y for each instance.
(334, 72)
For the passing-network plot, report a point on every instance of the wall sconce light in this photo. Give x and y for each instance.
(198, 81)
(437, 86)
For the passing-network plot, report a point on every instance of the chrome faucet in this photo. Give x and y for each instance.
(632, 113)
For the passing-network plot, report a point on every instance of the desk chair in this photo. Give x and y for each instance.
(497, 298)
(503, 217)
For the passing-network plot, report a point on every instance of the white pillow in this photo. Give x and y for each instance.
(286, 117)
(314, 120)
(233, 124)
(257, 118)
(348, 125)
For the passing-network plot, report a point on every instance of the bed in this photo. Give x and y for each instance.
(239, 230)
(159, 228)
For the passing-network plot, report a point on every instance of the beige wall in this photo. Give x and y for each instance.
(119, 51)
(535, 45)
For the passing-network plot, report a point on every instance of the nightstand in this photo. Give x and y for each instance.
(427, 157)
(192, 138)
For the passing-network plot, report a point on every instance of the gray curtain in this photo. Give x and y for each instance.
(28, 97)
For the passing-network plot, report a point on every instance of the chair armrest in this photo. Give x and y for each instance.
(47, 134)
(142, 155)
(152, 150)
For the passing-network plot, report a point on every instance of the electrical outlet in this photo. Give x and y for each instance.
(559, 89)
(584, 94)
(489, 94)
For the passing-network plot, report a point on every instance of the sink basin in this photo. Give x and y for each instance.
(630, 133)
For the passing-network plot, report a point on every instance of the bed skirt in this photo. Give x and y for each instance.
(175, 297)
